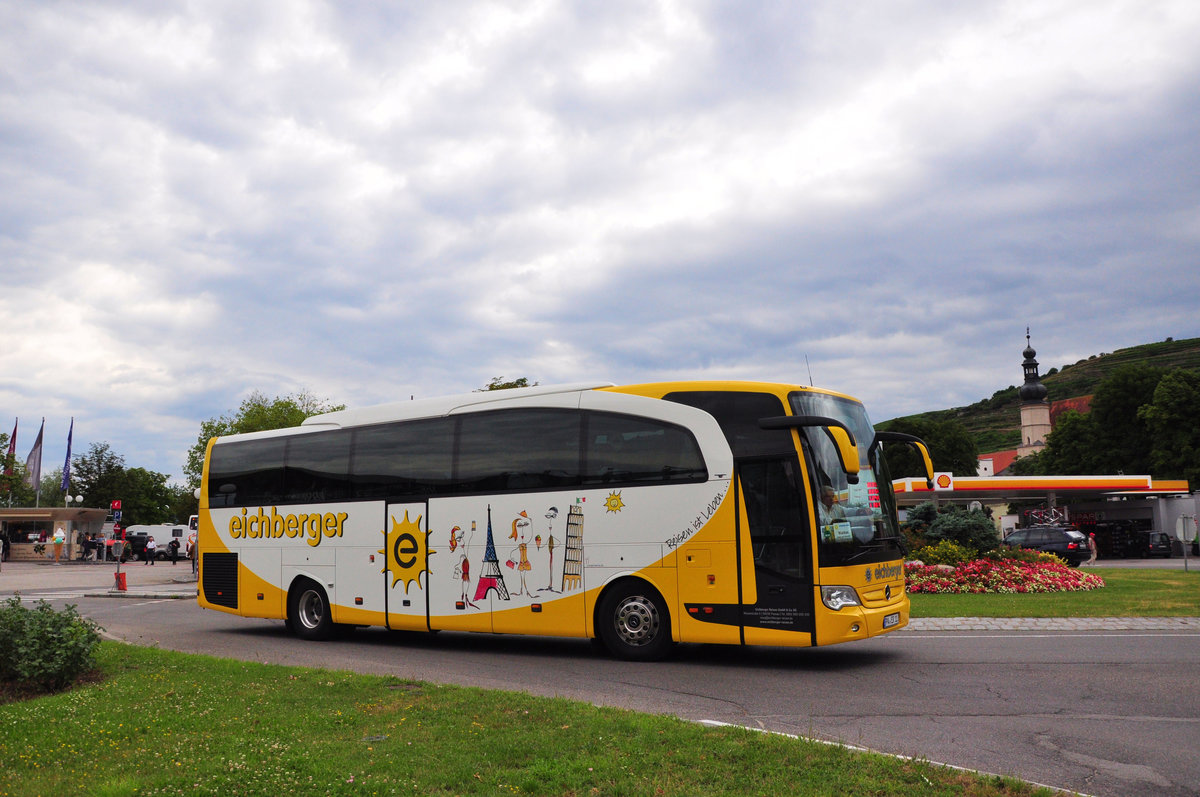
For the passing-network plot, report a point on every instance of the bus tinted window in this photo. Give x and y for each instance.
(508, 450)
(518, 450)
(402, 459)
(738, 415)
(626, 448)
(246, 473)
(318, 467)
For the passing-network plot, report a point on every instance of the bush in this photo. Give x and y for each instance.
(914, 540)
(945, 553)
(1003, 554)
(921, 516)
(969, 528)
(44, 649)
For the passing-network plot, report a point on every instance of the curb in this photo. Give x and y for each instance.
(113, 593)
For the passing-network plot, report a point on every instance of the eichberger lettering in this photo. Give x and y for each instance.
(261, 526)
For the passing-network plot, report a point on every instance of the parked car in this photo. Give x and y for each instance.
(1156, 543)
(1067, 544)
(135, 546)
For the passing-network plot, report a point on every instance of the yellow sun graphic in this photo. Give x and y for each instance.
(614, 503)
(405, 552)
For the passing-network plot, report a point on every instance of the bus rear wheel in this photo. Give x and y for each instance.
(633, 622)
(308, 612)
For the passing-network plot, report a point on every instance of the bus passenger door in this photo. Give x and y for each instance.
(406, 572)
(781, 597)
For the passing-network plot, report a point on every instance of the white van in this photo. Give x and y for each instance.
(163, 534)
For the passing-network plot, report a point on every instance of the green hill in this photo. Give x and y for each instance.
(995, 423)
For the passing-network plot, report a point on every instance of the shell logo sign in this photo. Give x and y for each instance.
(944, 481)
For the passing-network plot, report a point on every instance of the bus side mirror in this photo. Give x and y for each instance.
(915, 442)
(839, 433)
(847, 451)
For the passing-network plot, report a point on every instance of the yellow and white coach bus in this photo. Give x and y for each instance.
(723, 512)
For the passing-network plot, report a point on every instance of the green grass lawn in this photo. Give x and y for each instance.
(166, 723)
(156, 722)
(1127, 592)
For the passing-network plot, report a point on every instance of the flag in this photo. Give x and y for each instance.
(12, 450)
(33, 462)
(66, 482)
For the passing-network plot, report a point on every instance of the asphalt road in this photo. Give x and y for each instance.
(1104, 713)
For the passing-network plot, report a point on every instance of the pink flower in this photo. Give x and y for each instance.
(1004, 576)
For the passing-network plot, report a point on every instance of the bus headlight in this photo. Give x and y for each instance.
(837, 598)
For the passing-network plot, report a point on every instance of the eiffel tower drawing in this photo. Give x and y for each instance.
(490, 577)
(573, 564)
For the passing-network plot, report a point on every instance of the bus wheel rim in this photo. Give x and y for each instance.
(636, 621)
(312, 609)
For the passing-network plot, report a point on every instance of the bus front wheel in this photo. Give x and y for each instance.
(308, 612)
(633, 622)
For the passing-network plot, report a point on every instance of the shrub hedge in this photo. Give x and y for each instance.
(45, 649)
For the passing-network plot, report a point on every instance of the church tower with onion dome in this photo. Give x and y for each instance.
(1035, 409)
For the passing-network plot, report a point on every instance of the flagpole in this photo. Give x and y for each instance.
(12, 457)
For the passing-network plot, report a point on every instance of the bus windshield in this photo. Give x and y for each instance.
(856, 522)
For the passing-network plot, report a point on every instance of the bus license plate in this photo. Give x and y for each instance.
(891, 620)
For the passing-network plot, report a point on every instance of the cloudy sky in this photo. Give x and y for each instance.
(375, 200)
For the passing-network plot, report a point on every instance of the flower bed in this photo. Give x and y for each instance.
(1003, 576)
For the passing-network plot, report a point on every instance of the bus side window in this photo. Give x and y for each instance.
(247, 473)
(524, 449)
(630, 449)
(318, 467)
(402, 459)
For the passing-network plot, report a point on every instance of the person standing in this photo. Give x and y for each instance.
(173, 547)
(191, 553)
(151, 549)
(1091, 549)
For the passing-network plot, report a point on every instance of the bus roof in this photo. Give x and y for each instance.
(445, 405)
(659, 389)
(441, 405)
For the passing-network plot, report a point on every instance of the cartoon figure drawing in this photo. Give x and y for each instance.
(551, 514)
(520, 531)
(463, 571)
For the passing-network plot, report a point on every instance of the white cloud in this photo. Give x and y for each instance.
(372, 202)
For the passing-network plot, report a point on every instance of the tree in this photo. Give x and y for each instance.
(1123, 441)
(13, 490)
(145, 497)
(183, 503)
(1030, 465)
(52, 492)
(98, 475)
(498, 383)
(1173, 419)
(257, 413)
(1071, 448)
(1112, 438)
(951, 448)
(101, 477)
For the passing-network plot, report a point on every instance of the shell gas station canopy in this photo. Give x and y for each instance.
(1007, 489)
